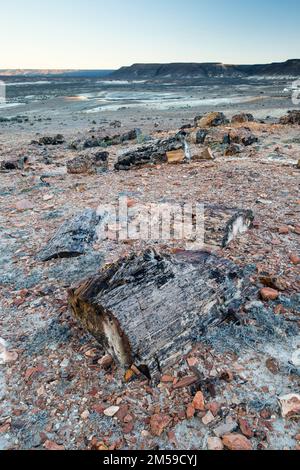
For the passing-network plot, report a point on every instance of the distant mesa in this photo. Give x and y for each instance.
(290, 68)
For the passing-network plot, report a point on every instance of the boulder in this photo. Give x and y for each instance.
(88, 163)
(211, 120)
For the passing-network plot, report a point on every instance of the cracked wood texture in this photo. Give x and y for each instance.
(148, 309)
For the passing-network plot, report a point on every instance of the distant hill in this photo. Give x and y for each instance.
(290, 68)
(55, 73)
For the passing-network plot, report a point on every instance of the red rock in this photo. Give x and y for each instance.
(186, 382)
(190, 411)
(167, 379)
(283, 230)
(295, 259)
(128, 428)
(246, 428)
(214, 443)
(269, 294)
(158, 423)
(98, 409)
(198, 402)
(32, 371)
(214, 407)
(192, 361)
(50, 445)
(236, 442)
(4, 428)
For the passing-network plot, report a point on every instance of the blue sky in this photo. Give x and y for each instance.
(93, 34)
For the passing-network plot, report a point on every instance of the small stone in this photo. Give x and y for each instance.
(186, 382)
(24, 205)
(246, 428)
(85, 415)
(290, 405)
(269, 294)
(225, 428)
(111, 411)
(190, 411)
(283, 230)
(167, 379)
(236, 442)
(128, 419)
(48, 197)
(50, 445)
(106, 361)
(208, 418)
(198, 402)
(273, 365)
(192, 361)
(214, 407)
(65, 363)
(158, 423)
(91, 353)
(214, 443)
(295, 259)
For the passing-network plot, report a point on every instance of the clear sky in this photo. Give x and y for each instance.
(95, 34)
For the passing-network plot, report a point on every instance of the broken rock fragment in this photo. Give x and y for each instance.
(73, 238)
(236, 442)
(210, 120)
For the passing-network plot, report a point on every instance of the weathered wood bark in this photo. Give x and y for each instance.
(73, 238)
(147, 309)
(224, 224)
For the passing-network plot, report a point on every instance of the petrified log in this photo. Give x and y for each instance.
(73, 238)
(153, 153)
(47, 140)
(147, 309)
(106, 141)
(88, 163)
(224, 224)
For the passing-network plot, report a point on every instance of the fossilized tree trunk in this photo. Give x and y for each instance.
(146, 310)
